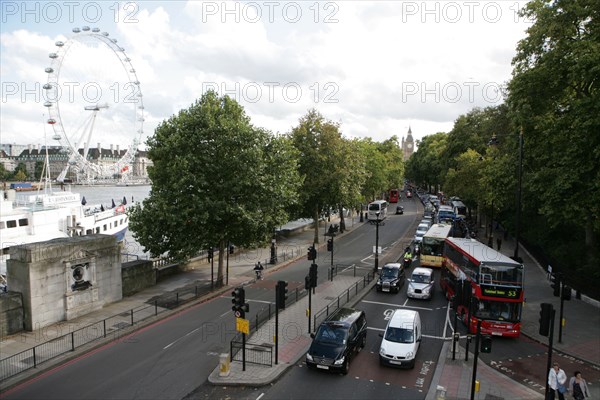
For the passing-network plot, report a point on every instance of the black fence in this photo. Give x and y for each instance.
(112, 327)
(259, 354)
(342, 299)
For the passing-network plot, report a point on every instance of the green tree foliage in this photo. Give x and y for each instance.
(215, 178)
(426, 166)
(4, 173)
(38, 170)
(465, 179)
(394, 162)
(554, 96)
(323, 155)
(20, 173)
(376, 183)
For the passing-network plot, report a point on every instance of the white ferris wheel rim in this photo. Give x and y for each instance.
(53, 103)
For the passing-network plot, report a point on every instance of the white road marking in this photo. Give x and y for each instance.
(396, 305)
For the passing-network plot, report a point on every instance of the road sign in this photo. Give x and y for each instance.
(378, 250)
(238, 314)
(242, 325)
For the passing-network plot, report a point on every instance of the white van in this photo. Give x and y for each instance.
(401, 339)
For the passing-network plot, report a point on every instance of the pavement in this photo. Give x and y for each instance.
(580, 344)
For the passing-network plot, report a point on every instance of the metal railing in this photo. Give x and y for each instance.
(260, 354)
(342, 299)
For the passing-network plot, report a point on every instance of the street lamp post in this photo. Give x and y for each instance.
(518, 216)
(493, 142)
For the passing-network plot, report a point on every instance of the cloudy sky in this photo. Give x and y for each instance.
(376, 67)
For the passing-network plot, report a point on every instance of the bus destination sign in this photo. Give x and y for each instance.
(495, 291)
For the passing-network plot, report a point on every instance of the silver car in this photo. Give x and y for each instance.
(420, 284)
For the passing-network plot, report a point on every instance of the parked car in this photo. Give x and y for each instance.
(391, 278)
(401, 339)
(337, 340)
(420, 284)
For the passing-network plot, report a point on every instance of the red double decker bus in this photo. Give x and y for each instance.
(484, 284)
(394, 195)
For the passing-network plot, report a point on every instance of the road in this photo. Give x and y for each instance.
(172, 357)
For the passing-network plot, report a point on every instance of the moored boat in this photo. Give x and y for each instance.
(31, 218)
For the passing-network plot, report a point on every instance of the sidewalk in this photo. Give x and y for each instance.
(581, 334)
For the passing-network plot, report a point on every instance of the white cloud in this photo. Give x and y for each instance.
(376, 67)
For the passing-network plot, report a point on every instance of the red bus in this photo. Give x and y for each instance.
(394, 195)
(484, 284)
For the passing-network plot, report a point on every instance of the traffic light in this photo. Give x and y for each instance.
(545, 318)
(312, 253)
(566, 292)
(210, 253)
(486, 344)
(239, 302)
(556, 284)
(281, 294)
(307, 282)
(329, 244)
(312, 273)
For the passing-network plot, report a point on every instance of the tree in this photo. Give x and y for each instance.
(38, 169)
(321, 148)
(554, 96)
(376, 182)
(426, 166)
(20, 173)
(215, 178)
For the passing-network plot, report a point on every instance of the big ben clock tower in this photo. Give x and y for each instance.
(408, 145)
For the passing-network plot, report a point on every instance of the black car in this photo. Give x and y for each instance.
(399, 210)
(337, 340)
(391, 278)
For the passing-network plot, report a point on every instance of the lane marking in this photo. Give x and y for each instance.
(396, 305)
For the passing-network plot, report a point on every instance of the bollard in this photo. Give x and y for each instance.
(224, 369)
(440, 393)
(455, 340)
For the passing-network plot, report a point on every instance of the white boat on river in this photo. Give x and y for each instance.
(37, 217)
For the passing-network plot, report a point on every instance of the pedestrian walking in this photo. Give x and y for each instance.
(557, 380)
(499, 242)
(549, 271)
(578, 386)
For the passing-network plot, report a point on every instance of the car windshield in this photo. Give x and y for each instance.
(333, 334)
(399, 335)
(421, 278)
(388, 272)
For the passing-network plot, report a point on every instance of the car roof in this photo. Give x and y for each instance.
(393, 265)
(401, 317)
(344, 316)
(422, 271)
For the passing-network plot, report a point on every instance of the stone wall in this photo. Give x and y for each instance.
(11, 313)
(65, 278)
(137, 275)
